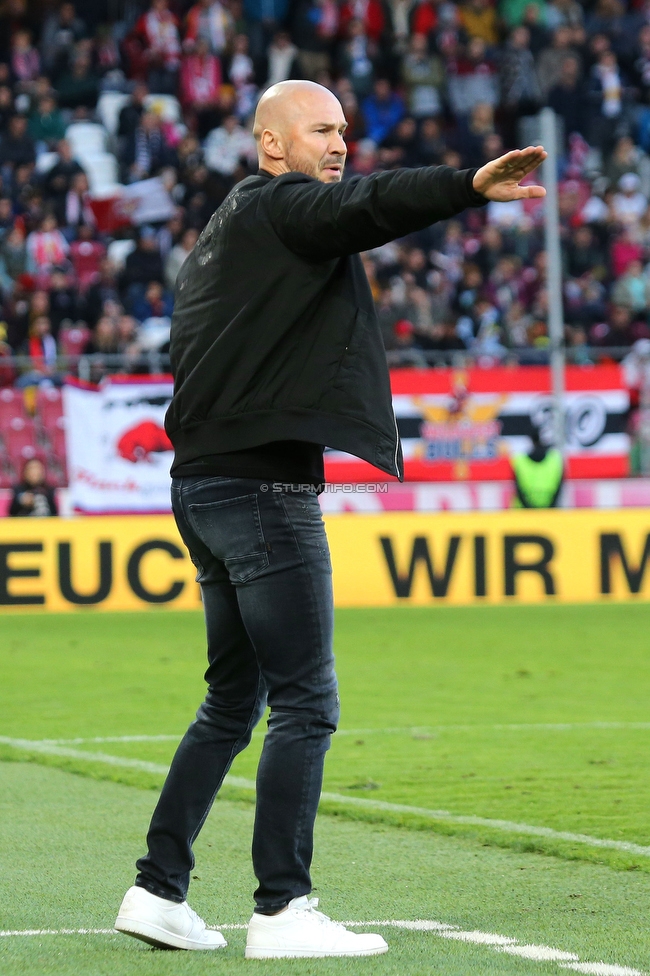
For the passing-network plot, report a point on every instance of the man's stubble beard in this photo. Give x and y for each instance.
(302, 164)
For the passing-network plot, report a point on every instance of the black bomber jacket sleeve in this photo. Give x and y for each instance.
(320, 221)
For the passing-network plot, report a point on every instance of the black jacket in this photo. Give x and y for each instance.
(274, 334)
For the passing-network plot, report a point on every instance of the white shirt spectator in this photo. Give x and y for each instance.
(510, 214)
(281, 55)
(225, 146)
(630, 204)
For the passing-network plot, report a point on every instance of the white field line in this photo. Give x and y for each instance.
(406, 730)
(600, 969)
(502, 943)
(508, 826)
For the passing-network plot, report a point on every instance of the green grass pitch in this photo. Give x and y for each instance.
(508, 718)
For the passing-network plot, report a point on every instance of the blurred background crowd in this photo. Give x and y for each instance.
(97, 98)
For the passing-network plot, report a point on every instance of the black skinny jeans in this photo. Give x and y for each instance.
(265, 573)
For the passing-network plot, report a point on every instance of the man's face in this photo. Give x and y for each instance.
(315, 144)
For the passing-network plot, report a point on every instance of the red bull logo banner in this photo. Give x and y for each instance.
(118, 453)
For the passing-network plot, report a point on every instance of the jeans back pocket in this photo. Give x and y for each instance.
(232, 531)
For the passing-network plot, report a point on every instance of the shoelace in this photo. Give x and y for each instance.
(319, 916)
(195, 918)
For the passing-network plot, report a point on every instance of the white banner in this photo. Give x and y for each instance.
(118, 453)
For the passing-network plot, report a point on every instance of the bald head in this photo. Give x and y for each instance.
(299, 127)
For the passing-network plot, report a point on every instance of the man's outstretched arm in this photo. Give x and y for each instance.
(321, 221)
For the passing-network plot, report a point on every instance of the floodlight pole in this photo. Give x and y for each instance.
(554, 274)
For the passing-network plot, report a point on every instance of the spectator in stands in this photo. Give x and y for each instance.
(314, 26)
(104, 338)
(32, 496)
(6, 107)
(158, 31)
(585, 254)
(423, 75)
(606, 101)
(104, 289)
(472, 133)
(79, 86)
(479, 18)
(25, 62)
(241, 74)
(142, 265)
(617, 331)
(520, 91)
(155, 303)
(147, 150)
(212, 22)
(200, 85)
(629, 203)
(13, 259)
(263, 19)
(227, 145)
(63, 299)
(46, 125)
(382, 111)
(131, 113)
(177, 256)
(626, 158)
(632, 290)
(356, 59)
(59, 177)
(552, 59)
(16, 148)
(431, 144)
(61, 31)
(472, 80)
(566, 98)
(127, 333)
(281, 59)
(41, 350)
(47, 246)
(77, 204)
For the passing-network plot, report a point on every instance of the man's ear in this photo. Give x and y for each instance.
(271, 143)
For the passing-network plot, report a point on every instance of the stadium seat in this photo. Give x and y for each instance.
(166, 106)
(73, 341)
(11, 405)
(51, 421)
(56, 456)
(21, 443)
(45, 161)
(49, 407)
(101, 169)
(109, 106)
(86, 137)
(118, 251)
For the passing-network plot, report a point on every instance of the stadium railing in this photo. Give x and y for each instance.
(94, 366)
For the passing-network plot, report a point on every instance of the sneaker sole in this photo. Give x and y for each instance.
(155, 936)
(257, 952)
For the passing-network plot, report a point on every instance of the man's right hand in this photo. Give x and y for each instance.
(500, 178)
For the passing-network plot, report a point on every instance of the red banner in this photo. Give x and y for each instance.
(464, 425)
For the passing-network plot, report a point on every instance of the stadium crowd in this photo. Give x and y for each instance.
(96, 99)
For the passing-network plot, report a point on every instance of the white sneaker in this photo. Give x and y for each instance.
(301, 931)
(163, 923)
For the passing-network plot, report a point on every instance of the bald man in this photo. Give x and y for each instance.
(276, 352)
